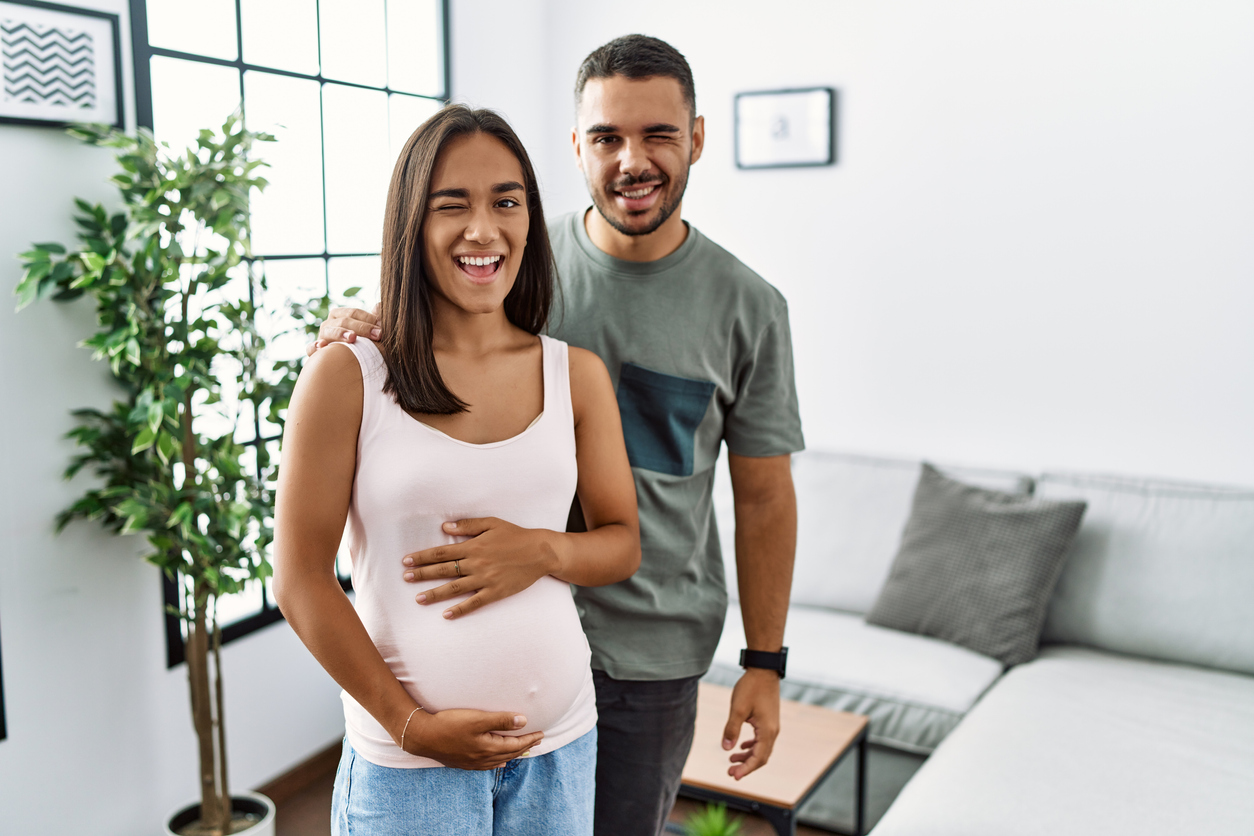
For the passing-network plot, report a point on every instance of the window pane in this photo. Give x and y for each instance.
(205, 27)
(343, 274)
(241, 605)
(287, 281)
(405, 114)
(287, 216)
(416, 46)
(353, 41)
(281, 34)
(355, 130)
(188, 96)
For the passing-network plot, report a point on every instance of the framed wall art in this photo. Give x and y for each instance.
(784, 128)
(61, 64)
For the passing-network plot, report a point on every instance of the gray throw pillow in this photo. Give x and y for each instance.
(976, 567)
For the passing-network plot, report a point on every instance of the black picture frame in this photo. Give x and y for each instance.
(61, 71)
(761, 115)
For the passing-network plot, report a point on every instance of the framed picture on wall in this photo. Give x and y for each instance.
(61, 64)
(784, 128)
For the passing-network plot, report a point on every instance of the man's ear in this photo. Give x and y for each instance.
(698, 139)
(574, 141)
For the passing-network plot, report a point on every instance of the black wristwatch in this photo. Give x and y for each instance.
(762, 659)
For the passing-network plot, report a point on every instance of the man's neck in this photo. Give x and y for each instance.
(657, 244)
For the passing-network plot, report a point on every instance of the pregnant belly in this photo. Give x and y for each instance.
(525, 654)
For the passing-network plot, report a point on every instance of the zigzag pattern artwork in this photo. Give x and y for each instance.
(48, 66)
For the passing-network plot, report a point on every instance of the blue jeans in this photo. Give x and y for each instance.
(545, 795)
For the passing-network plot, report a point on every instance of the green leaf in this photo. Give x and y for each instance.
(144, 440)
(132, 351)
(352, 291)
(156, 413)
(93, 262)
(26, 292)
(37, 270)
(166, 447)
(181, 517)
(51, 247)
(62, 270)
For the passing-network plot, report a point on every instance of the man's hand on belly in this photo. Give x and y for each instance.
(468, 739)
(499, 560)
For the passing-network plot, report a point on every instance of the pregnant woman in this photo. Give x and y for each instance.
(468, 698)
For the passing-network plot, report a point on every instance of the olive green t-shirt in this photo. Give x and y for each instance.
(699, 351)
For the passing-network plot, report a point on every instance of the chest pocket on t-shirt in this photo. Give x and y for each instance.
(661, 413)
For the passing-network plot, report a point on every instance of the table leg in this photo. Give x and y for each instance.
(780, 818)
(859, 801)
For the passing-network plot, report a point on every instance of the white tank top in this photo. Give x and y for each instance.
(526, 653)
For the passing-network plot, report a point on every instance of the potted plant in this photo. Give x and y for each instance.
(185, 354)
(712, 820)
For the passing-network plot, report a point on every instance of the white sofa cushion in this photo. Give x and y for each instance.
(850, 514)
(915, 689)
(1084, 742)
(1158, 569)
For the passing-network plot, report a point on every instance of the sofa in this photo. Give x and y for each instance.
(1136, 716)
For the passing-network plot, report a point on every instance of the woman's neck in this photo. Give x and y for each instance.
(458, 331)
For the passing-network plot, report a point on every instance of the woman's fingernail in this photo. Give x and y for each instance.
(422, 599)
(448, 613)
(519, 721)
(375, 333)
(409, 561)
(348, 336)
(409, 576)
(450, 525)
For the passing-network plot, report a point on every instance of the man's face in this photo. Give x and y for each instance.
(634, 141)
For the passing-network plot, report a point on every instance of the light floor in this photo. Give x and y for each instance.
(307, 811)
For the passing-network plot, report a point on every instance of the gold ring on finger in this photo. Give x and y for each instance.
(457, 564)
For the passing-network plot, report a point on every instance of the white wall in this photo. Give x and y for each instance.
(1035, 250)
(99, 732)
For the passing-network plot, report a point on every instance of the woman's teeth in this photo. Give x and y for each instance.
(478, 262)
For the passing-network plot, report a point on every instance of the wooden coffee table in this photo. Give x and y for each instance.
(812, 741)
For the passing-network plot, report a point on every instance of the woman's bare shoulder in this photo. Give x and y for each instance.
(590, 384)
(585, 364)
(330, 382)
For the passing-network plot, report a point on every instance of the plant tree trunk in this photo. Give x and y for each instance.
(202, 714)
(223, 787)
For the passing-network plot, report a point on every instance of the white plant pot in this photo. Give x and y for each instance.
(243, 802)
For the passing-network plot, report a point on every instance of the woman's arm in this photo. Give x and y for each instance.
(502, 559)
(315, 484)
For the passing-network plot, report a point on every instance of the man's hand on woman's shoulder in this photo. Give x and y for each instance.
(345, 325)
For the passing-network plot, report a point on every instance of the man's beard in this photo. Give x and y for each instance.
(605, 207)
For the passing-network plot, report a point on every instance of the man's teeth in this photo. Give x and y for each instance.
(638, 192)
(478, 262)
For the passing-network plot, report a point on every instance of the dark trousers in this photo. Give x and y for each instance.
(644, 731)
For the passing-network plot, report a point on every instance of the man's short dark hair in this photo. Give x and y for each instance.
(638, 56)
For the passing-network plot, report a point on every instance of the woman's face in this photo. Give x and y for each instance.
(475, 229)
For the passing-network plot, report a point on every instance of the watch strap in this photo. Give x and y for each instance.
(777, 662)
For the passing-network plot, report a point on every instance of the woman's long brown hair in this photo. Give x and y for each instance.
(405, 289)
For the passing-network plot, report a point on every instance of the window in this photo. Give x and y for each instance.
(341, 84)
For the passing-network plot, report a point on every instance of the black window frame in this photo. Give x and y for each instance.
(142, 53)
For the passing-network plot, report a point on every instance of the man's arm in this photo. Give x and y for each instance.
(766, 542)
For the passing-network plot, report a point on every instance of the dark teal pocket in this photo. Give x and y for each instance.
(661, 413)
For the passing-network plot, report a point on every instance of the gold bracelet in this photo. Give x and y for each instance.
(406, 728)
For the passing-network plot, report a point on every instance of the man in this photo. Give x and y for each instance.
(700, 352)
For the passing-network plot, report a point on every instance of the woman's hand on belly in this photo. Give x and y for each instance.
(468, 739)
(499, 560)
